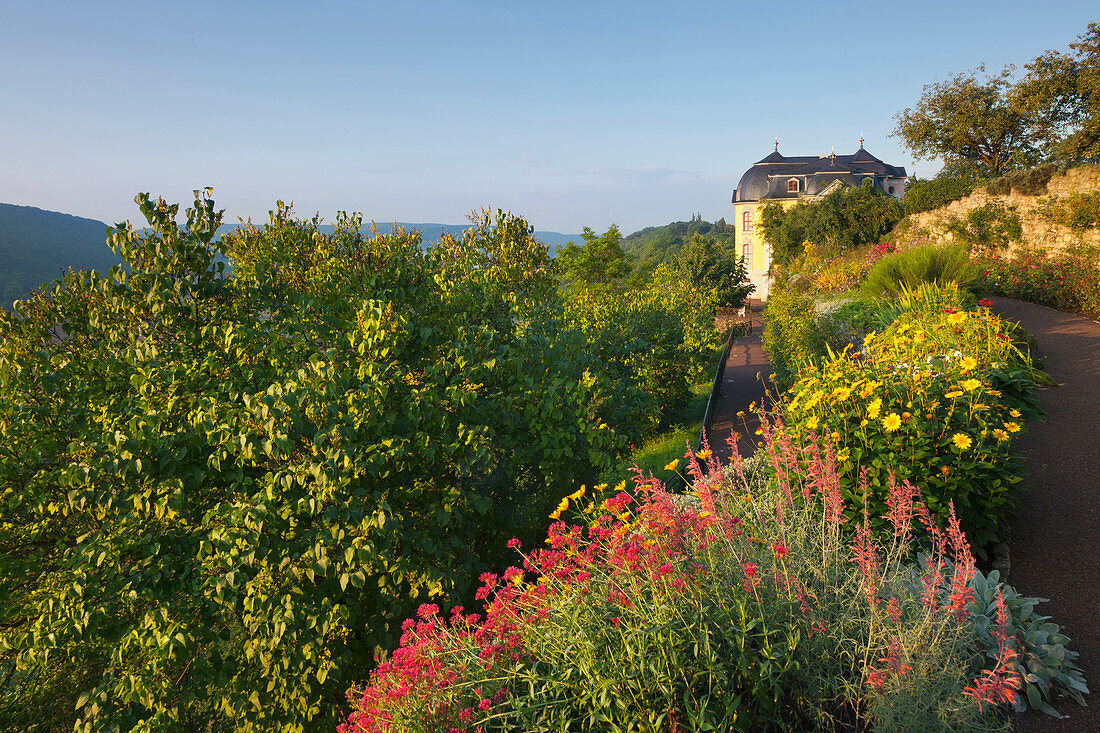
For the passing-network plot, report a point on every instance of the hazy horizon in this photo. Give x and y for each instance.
(570, 114)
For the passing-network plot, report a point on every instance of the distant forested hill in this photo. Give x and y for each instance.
(37, 246)
(654, 245)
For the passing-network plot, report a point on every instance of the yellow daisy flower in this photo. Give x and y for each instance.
(971, 384)
(556, 514)
(968, 363)
(703, 454)
(1012, 427)
(956, 318)
(1000, 435)
(961, 441)
(811, 423)
(953, 394)
(1014, 413)
(891, 422)
(671, 465)
(874, 408)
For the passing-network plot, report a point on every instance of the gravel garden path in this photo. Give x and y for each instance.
(1055, 542)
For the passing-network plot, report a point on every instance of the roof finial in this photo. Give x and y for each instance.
(777, 143)
(861, 141)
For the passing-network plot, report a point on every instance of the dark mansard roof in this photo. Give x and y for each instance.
(767, 179)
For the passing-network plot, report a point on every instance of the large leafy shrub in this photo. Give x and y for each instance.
(937, 398)
(843, 220)
(222, 494)
(1030, 182)
(752, 606)
(791, 336)
(935, 192)
(713, 266)
(658, 338)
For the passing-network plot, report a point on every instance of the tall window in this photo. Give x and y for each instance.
(746, 221)
(746, 252)
(792, 185)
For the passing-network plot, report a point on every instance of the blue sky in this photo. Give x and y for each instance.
(570, 113)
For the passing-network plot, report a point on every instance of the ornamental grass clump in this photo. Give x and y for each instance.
(938, 398)
(739, 611)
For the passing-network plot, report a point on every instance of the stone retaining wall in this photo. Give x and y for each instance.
(1038, 230)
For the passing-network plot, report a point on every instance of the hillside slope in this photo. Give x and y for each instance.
(37, 246)
(653, 246)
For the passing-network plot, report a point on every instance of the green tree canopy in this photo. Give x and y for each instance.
(1061, 94)
(844, 219)
(222, 494)
(599, 260)
(969, 121)
(708, 265)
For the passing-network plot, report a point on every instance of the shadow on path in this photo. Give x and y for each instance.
(1055, 543)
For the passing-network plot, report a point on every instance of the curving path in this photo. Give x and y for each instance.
(1055, 543)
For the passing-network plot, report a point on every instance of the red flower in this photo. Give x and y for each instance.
(780, 550)
(750, 569)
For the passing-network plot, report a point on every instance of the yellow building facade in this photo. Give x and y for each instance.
(790, 180)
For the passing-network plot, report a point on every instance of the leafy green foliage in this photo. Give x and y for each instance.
(654, 246)
(708, 265)
(653, 342)
(791, 336)
(970, 123)
(1061, 94)
(600, 260)
(1077, 211)
(985, 127)
(988, 227)
(37, 246)
(221, 495)
(1030, 182)
(934, 193)
(843, 220)
(912, 268)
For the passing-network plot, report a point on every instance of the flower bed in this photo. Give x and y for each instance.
(761, 609)
(937, 398)
(1068, 281)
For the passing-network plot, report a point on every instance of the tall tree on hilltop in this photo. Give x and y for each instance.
(971, 124)
(1061, 95)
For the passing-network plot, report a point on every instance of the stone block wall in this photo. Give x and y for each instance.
(1038, 230)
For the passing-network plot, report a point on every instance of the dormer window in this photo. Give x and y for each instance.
(792, 185)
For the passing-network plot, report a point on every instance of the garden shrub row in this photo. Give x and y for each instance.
(934, 193)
